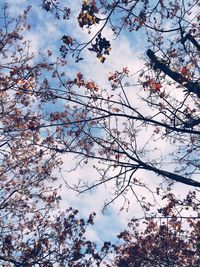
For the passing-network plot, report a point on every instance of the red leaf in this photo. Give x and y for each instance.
(155, 87)
(67, 40)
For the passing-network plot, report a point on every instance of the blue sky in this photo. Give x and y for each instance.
(46, 33)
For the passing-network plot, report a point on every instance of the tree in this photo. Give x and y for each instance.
(91, 110)
(94, 124)
(167, 238)
(171, 66)
(33, 230)
(174, 119)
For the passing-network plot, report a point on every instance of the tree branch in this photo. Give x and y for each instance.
(193, 87)
(172, 176)
(189, 37)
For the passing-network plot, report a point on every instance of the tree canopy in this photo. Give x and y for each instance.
(47, 114)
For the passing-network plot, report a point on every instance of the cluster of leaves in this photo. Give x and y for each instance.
(68, 41)
(166, 239)
(87, 16)
(79, 81)
(50, 240)
(101, 47)
(152, 84)
(53, 7)
(99, 44)
(117, 77)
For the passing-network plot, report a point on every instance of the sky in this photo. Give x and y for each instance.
(46, 33)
